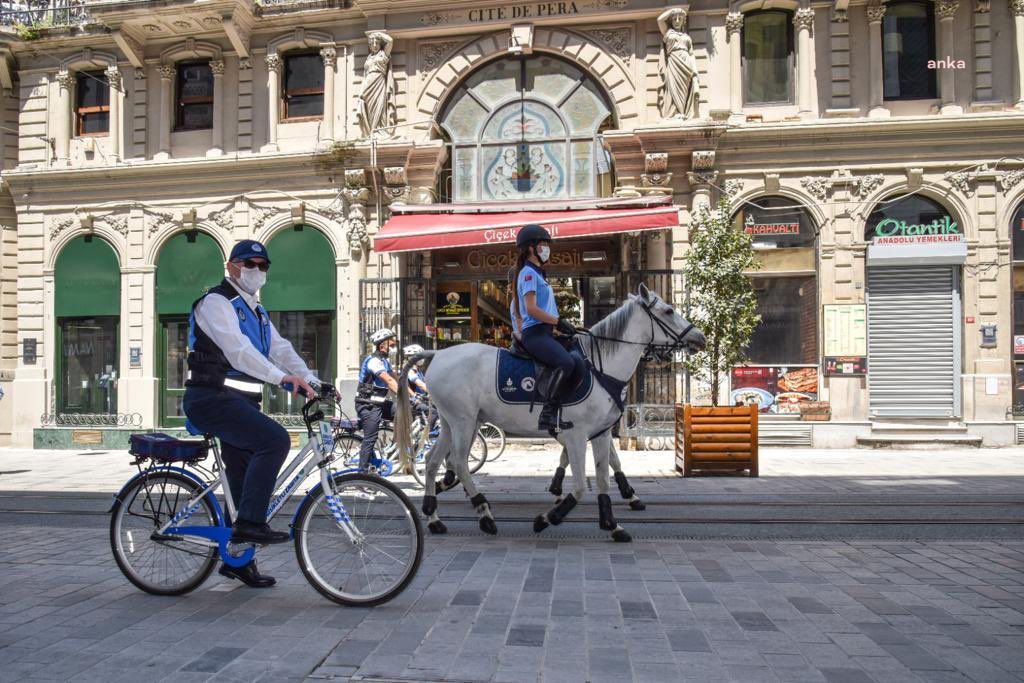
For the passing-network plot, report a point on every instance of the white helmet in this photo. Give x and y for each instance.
(382, 335)
(412, 350)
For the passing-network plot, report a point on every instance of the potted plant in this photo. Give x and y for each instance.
(723, 304)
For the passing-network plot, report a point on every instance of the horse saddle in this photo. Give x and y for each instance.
(520, 378)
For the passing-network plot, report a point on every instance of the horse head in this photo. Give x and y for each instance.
(670, 331)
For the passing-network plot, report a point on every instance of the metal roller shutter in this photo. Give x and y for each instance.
(913, 343)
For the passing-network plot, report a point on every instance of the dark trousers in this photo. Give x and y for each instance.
(370, 416)
(539, 340)
(253, 446)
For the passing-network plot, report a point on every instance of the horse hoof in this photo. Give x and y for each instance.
(540, 524)
(437, 527)
(637, 505)
(621, 536)
(488, 526)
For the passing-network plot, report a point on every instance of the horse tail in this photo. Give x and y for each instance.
(403, 411)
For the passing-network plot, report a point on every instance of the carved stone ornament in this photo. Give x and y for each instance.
(245, 63)
(606, 4)
(680, 86)
(983, 6)
(946, 9)
(772, 182)
(59, 225)
(619, 41)
(1017, 8)
(117, 223)
(274, 63)
(656, 183)
(356, 232)
(394, 175)
(734, 22)
(431, 54)
(435, 18)
(732, 186)
(377, 111)
(876, 11)
(961, 180)
(156, 220)
(140, 74)
(217, 67)
(330, 56)
(114, 77)
(865, 185)
(703, 160)
(839, 15)
(166, 71)
(66, 80)
(1010, 179)
(212, 22)
(223, 218)
(804, 19)
(259, 215)
(355, 178)
(817, 187)
(702, 177)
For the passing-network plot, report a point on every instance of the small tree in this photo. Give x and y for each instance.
(722, 300)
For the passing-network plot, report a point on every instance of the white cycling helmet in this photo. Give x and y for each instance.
(412, 350)
(382, 335)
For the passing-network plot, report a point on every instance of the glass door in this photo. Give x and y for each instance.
(312, 335)
(173, 367)
(88, 368)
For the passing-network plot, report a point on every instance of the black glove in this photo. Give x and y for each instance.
(565, 327)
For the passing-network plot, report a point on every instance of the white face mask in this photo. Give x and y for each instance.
(251, 279)
(544, 253)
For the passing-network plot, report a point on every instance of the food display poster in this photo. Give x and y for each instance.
(774, 388)
(452, 302)
(846, 330)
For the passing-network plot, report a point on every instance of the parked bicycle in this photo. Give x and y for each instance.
(358, 539)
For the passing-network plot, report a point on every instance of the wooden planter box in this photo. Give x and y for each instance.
(720, 439)
(816, 411)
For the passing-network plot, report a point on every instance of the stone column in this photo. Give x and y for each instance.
(167, 72)
(946, 11)
(217, 134)
(62, 136)
(803, 20)
(701, 182)
(733, 28)
(1017, 8)
(350, 345)
(330, 57)
(116, 85)
(274, 66)
(876, 10)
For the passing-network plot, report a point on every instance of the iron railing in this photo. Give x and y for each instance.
(651, 425)
(44, 13)
(91, 420)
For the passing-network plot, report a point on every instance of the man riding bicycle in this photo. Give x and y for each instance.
(376, 379)
(234, 350)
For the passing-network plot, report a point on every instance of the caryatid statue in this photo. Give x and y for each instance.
(377, 112)
(678, 94)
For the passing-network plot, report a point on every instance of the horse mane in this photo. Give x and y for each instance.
(615, 323)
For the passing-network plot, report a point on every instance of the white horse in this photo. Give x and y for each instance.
(462, 386)
(601, 465)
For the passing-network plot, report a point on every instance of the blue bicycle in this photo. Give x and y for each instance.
(358, 538)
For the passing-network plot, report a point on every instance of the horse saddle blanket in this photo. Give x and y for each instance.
(523, 380)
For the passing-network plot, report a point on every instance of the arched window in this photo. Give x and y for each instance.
(908, 43)
(527, 128)
(768, 57)
(87, 283)
(189, 263)
(908, 216)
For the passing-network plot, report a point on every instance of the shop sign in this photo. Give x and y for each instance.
(590, 257)
(775, 389)
(846, 366)
(135, 357)
(753, 228)
(524, 11)
(28, 351)
(452, 303)
(893, 231)
(1018, 344)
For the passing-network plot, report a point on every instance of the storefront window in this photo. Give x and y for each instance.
(910, 217)
(527, 128)
(788, 332)
(1017, 237)
(87, 307)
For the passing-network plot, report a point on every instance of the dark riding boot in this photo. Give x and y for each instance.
(549, 415)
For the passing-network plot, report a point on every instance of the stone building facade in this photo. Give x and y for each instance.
(141, 139)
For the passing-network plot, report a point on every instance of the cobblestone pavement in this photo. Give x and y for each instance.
(527, 609)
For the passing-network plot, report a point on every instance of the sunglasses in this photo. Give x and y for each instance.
(250, 264)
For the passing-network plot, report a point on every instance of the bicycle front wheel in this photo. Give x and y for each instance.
(162, 564)
(381, 557)
(495, 438)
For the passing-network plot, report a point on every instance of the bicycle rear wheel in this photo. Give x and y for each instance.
(380, 562)
(495, 438)
(168, 565)
(477, 453)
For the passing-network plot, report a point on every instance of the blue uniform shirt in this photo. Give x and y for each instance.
(531, 279)
(373, 365)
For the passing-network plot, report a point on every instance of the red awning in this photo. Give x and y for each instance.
(415, 232)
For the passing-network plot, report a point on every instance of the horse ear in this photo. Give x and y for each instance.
(644, 293)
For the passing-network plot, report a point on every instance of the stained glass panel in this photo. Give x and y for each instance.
(585, 110)
(465, 174)
(464, 119)
(496, 82)
(524, 171)
(550, 78)
(583, 169)
(524, 121)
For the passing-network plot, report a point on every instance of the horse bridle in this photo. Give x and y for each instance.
(661, 350)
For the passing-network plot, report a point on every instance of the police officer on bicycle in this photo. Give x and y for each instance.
(376, 379)
(234, 351)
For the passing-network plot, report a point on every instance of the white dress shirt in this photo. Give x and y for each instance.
(217, 317)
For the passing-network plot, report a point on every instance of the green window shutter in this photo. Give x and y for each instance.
(302, 274)
(87, 280)
(184, 270)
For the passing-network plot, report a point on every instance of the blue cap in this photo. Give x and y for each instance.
(249, 249)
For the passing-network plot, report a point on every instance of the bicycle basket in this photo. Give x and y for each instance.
(166, 448)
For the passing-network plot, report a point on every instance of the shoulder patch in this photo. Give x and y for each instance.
(241, 314)
(527, 278)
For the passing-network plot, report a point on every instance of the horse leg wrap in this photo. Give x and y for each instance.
(625, 490)
(429, 505)
(559, 512)
(637, 504)
(555, 488)
(604, 511)
(448, 481)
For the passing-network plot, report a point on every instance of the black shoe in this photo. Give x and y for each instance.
(550, 421)
(248, 574)
(250, 532)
